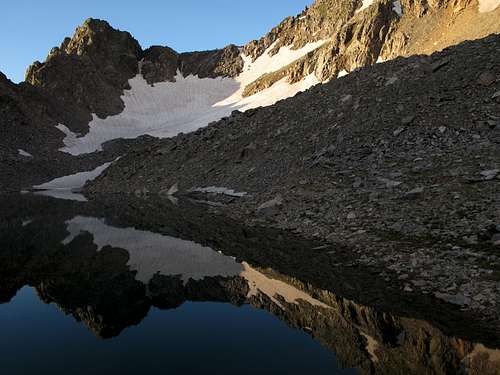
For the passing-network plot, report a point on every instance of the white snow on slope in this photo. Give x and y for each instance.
(342, 73)
(397, 7)
(366, 4)
(168, 108)
(219, 190)
(268, 64)
(24, 153)
(163, 110)
(280, 90)
(488, 5)
(64, 187)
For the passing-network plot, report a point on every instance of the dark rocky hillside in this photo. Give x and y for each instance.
(399, 161)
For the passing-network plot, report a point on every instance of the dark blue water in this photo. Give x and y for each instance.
(196, 338)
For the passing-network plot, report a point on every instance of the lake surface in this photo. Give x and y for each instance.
(124, 286)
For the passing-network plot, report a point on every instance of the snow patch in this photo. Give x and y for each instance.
(67, 195)
(168, 108)
(64, 187)
(268, 64)
(162, 110)
(342, 73)
(24, 153)
(488, 5)
(396, 7)
(70, 138)
(152, 253)
(366, 4)
(219, 190)
(279, 91)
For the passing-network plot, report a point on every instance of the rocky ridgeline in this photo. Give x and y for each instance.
(87, 74)
(161, 64)
(356, 37)
(399, 162)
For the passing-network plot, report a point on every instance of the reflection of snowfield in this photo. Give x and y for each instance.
(152, 253)
(168, 108)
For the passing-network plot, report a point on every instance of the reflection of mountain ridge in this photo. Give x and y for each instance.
(100, 289)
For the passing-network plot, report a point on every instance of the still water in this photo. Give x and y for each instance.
(115, 286)
(195, 338)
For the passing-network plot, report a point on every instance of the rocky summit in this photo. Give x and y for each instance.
(342, 172)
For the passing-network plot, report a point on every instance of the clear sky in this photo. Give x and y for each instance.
(30, 28)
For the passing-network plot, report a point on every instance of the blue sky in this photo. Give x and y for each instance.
(29, 28)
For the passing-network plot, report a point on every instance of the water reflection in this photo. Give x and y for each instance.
(151, 253)
(111, 266)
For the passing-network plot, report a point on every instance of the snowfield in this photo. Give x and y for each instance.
(366, 4)
(67, 187)
(24, 153)
(169, 108)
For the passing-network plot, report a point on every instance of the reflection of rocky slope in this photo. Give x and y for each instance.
(98, 288)
(332, 267)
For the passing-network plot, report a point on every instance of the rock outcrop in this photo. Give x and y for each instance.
(162, 64)
(87, 73)
(356, 36)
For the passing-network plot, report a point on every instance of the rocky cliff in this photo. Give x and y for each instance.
(88, 72)
(160, 64)
(361, 33)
